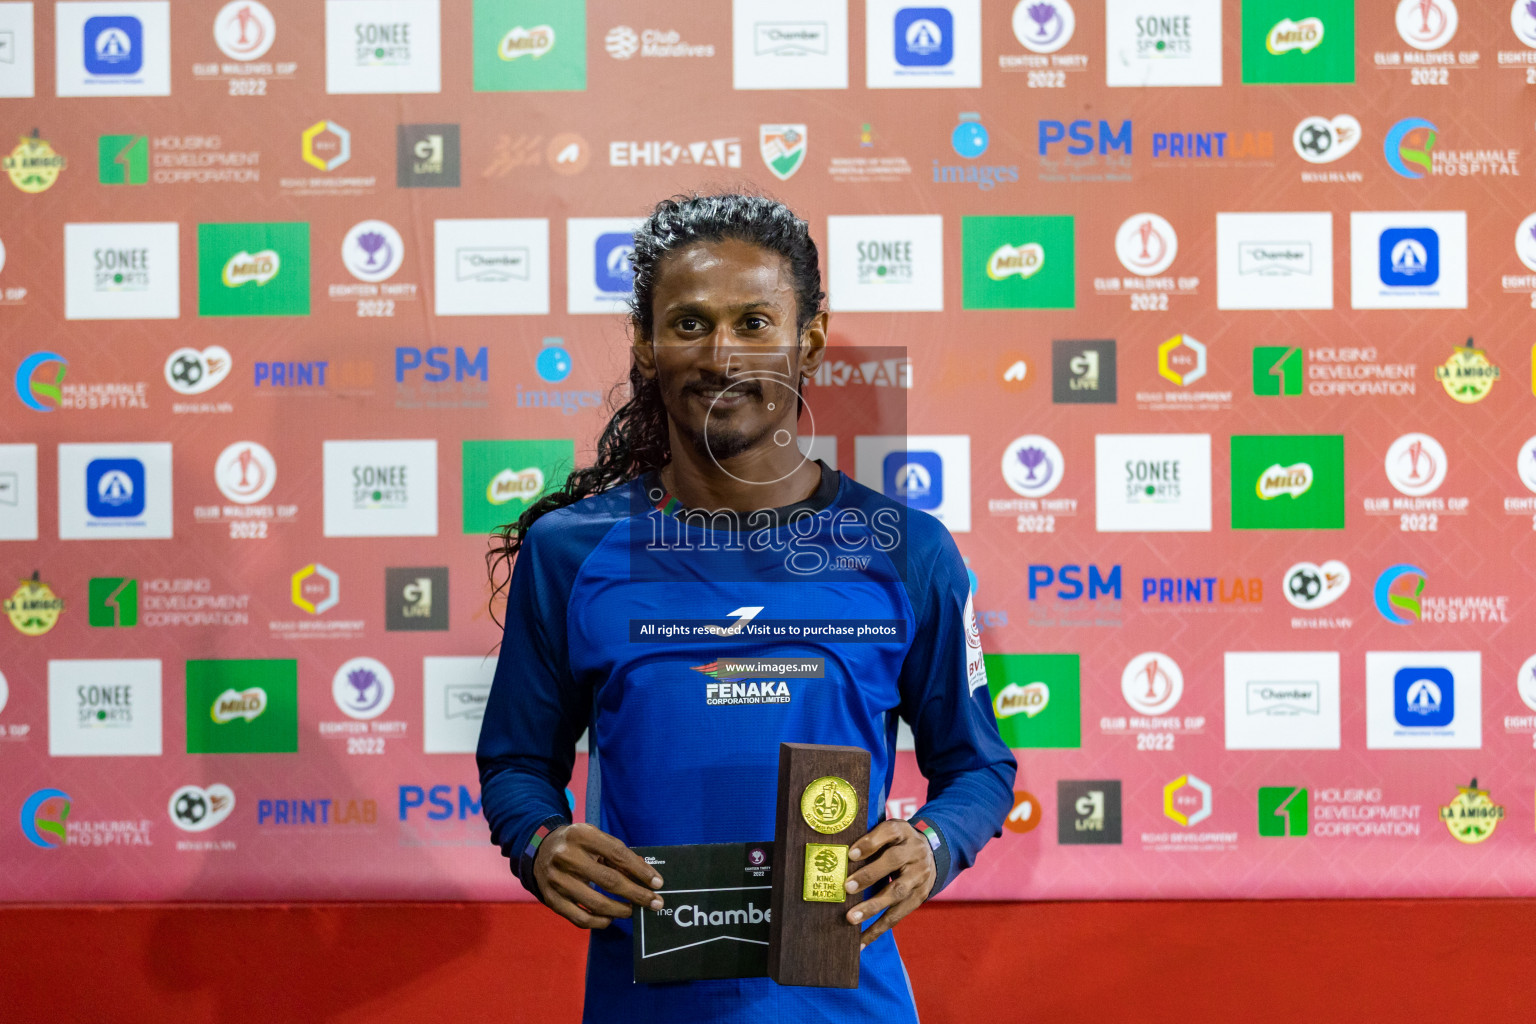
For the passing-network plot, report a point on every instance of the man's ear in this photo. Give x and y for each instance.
(644, 354)
(813, 344)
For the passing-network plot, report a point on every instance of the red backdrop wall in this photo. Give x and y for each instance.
(1377, 960)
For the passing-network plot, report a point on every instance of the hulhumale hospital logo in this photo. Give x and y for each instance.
(49, 385)
(1408, 147)
(1403, 609)
(44, 818)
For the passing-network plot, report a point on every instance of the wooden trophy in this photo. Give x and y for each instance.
(823, 807)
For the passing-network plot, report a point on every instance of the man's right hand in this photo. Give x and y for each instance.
(573, 857)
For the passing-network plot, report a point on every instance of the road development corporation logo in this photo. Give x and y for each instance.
(198, 808)
(315, 589)
(45, 818)
(1310, 585)
(782, 147)
(1187, 800)
(1152, 684)
(1322, 140)
(1471, 816)
(363, 688)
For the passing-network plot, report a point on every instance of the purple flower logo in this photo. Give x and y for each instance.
(1032, 459)
(372, 251)
(364, 680)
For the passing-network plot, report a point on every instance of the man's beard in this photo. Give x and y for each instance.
(721, 440)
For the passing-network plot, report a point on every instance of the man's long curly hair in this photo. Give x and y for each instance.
(636, 439)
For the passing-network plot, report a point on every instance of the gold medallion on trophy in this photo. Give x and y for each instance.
(829, 805)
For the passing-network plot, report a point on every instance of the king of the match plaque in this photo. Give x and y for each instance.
(823, 806)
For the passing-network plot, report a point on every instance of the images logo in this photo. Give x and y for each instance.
(1278, 370)
(1309, 585)
(1187, 800)
(1403, 609)
(1043, 26)
(1018, 263)
(1088, 812)
(1471, 816)
(1283, 811)
(1319, 140)
(1408, 147)
(1033, 466)
(196, 809)
(363, 688)
(242, 706)
(1468, 375)
(45, 818)
(113, 601)
(782, 147)
(1181, 360)
(1146, 244)
(33, 392)
(1416, 465)
(1036, 698)
(970, 138)
(1152, 684)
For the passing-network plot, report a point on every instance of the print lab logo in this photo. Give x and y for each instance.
(1321, 140)
(315, 589)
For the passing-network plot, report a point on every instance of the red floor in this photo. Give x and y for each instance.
(1431, 961)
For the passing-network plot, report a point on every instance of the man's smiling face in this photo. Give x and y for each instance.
(726, 350)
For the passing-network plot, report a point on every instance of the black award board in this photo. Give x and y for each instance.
(715, 922)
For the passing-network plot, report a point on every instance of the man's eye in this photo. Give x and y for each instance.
(689, 324)
(755, 323)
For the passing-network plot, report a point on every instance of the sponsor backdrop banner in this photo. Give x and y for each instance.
(1211, 320)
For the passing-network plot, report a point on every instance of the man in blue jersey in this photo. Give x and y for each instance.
(700, 506)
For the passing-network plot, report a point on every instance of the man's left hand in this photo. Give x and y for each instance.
(905, 860)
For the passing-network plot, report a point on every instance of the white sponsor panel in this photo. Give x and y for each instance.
(380, 488)
(18, 492)
(122, 272)
(112, 49)
(115, 491)
(1423, 700)
(491, 267)
(1282, 700)
(383, 46)
(1152, 483)
(104, 707)
(1274, 260)
(929, 472)
(1162, 42)
(454, 695)
(885, 264)
(789, 44)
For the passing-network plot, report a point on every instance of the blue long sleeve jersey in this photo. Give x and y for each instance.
(678, 754)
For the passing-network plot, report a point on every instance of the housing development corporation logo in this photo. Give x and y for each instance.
(1283, 811)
